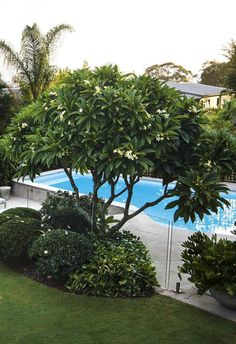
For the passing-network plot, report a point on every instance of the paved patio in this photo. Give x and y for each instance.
(155, 236)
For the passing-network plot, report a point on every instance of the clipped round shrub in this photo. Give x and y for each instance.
(60, 202)
(118, 268)
(74, 219)
(59, 253)
(24, 212)
(8, 217)
(16, 236)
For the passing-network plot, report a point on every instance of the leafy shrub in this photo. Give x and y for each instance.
(119, 268)
(64, 199)
(59, 252)
(74, 219)
(211, 263)
(7, 167)
(16, 236)
(23, 212)
(65, 210)
(60, 199)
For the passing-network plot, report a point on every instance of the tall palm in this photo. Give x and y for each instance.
(33, 61)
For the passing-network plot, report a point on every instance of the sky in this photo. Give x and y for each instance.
(134, 34)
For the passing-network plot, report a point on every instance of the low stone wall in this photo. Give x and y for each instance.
(31, 192)
(38, 193)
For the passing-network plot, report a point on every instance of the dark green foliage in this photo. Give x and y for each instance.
(196, 194)
(169, 71)
(65, 199)
(7, 167)
(59, 253)
(214, 73)
(23, 212)
(65, 210)
(16, 236)
(74, 219)
(229, 114)
(230, 51)
(211, 263)
(114, 126)
(120, 267)
(8, 217)
(7, 104)
(60, 199)
(218, 151)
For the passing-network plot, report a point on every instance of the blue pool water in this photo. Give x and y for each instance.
(147, 190)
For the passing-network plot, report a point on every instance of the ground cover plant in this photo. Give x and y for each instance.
(114, 126)
(41, 315)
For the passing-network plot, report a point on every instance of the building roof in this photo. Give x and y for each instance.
(191, 89)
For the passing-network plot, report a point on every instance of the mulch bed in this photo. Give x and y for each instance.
(29, 270)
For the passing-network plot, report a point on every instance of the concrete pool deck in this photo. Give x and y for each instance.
(155, 236)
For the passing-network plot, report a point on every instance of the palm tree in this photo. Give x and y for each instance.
(33, 61)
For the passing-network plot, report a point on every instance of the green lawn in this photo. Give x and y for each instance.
(31, 313)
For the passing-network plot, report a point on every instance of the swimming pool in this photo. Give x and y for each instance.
(148, 190)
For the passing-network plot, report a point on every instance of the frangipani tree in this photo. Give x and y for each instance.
(113, 125)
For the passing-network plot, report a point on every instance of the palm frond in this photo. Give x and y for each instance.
(34, 54)
(10, 55)
(54, 34)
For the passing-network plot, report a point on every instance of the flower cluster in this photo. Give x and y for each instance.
(61, 116)
(162, 137)
(53, 93)
(194, 109)
(209, 165)
(145, 127)
(126, 153)
(45, 106)
(97, 90)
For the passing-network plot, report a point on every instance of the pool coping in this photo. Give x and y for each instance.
(24, 187)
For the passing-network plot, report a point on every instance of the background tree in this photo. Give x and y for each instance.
(118, 127)
(169, 71)
(214, 73)
(33, 61)
(221, 118)
(221, 73)
(9, 103)
(230, 53)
